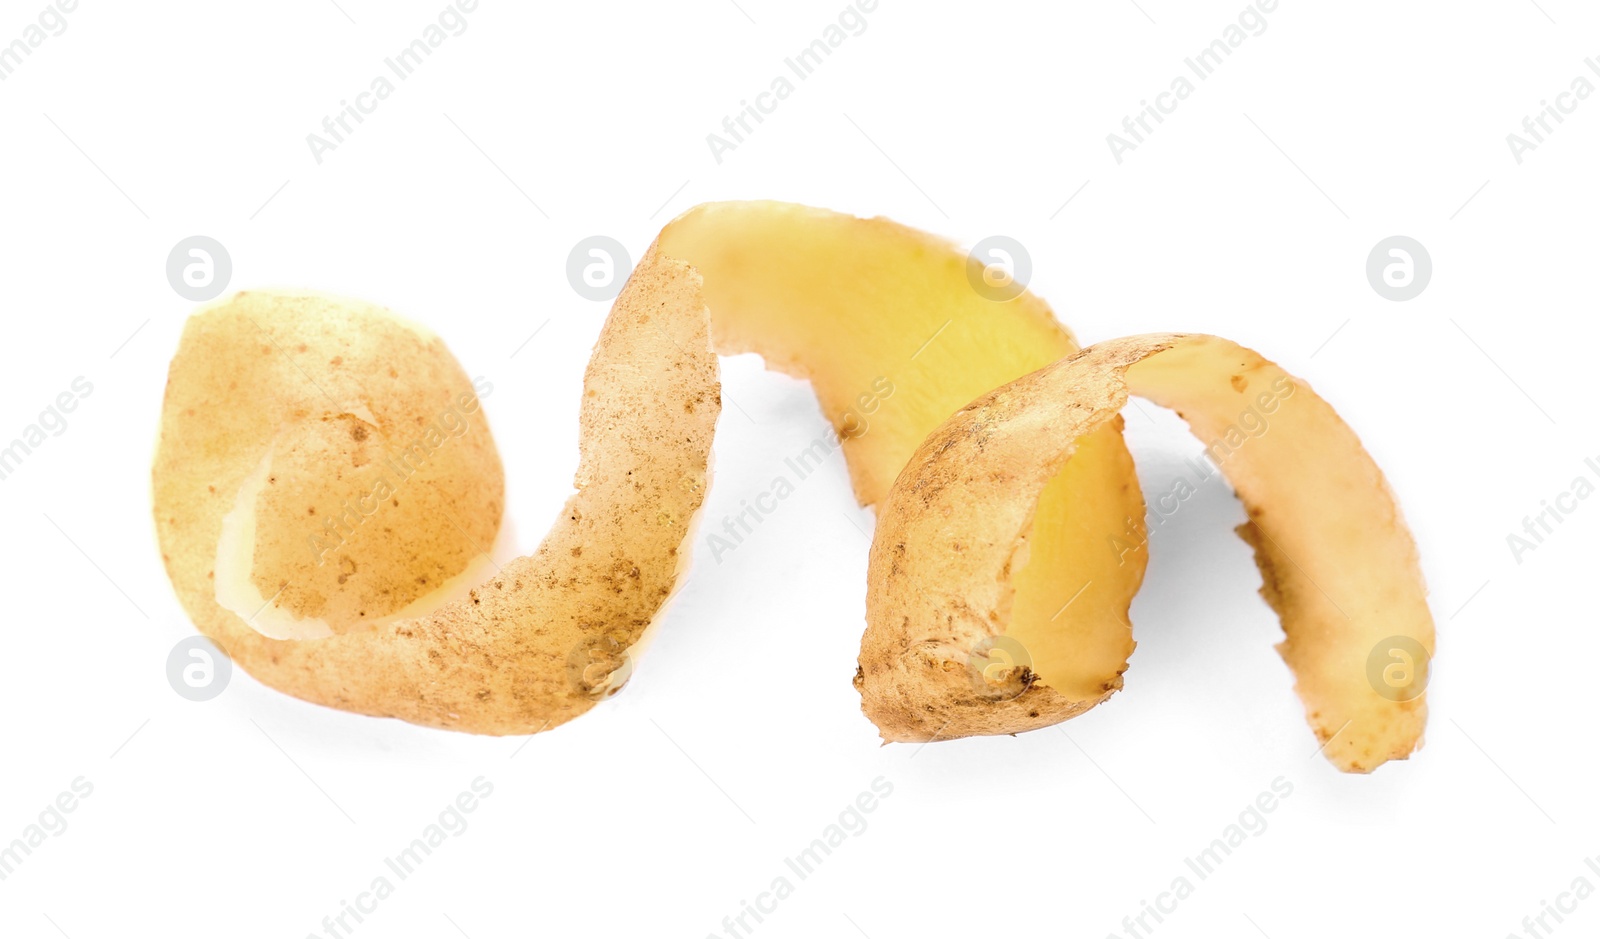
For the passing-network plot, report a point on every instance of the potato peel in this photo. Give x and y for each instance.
(1339, 565)
(998, 589)
(544, 638)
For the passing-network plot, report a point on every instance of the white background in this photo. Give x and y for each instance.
(1249, 213)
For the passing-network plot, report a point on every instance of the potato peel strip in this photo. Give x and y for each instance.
(839, 300)
(1338, 563)
(885, 324)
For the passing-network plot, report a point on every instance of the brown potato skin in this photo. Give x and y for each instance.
(496, 662)
(538, 644)
(1338, 564)
(938, 576)
(298, 378)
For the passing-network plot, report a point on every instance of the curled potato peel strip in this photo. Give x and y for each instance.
(311, 394)
(1337, 562)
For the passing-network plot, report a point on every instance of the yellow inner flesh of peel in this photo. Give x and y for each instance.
(1070, 610)
(849, 304)
(1345, 569)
